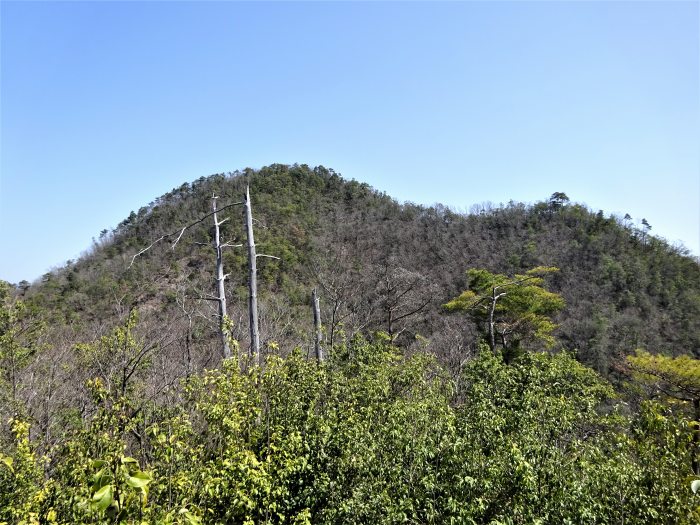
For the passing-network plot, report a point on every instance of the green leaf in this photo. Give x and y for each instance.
(127, 460)
(98, 463)
(190, 519)
(139, 480)
(7, 460)
(103, 498)
(101, 479)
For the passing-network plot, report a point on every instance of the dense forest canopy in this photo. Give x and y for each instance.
(475, 367)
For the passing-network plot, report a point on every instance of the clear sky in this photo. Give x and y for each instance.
(107, 105)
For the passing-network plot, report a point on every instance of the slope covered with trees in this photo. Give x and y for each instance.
(381, 265)
(465, 380)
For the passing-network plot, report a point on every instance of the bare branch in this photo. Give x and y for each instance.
(268, 256)
(146, 249)
(415, 311)
(481, 300)
(178, 238)
(179, 232)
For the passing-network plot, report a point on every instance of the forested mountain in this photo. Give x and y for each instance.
(112, 366)
(381, 265)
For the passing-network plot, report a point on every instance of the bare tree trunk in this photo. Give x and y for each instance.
(334, 315)
(188, 352)
(492, 319)
(317, 326)
(252, 283)
(492, 334)
(220, 278)
(696, 437)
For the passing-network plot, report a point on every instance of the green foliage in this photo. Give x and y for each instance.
(22, 488)
(679, 380)
(558, 199)
(117, 357)
(19, 334)
(513, 310)
(528, 419)
(367, 437)
(377, 433)
(677, 377)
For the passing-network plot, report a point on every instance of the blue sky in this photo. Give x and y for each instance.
(107, 105)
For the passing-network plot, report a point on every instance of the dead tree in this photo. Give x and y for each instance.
(254, 351)
(220, 278)
(317, 326)
(252, 282)
(220, 298)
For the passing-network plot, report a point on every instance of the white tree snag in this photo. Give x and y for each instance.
(254, 351)
(317, 326)
(220, 278)
(179, 233)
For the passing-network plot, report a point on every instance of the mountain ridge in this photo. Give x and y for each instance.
(624, 288)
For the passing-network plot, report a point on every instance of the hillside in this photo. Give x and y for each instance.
(375, 260)
(116, 405)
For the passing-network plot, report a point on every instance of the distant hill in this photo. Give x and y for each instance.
(378, 265)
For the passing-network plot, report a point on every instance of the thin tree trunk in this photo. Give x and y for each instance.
(317, 326)
(188, 353)
(334, 323)
(220, 278)
(492, 334)
(390, 328)
(696, 436)
(252, 283)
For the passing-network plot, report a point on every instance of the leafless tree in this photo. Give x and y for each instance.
(220, 296)
(254, 351)
(317, 326)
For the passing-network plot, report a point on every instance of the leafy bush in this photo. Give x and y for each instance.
(368, 437)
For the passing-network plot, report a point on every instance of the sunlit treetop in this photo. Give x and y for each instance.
(677, 377)
(515, 309)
